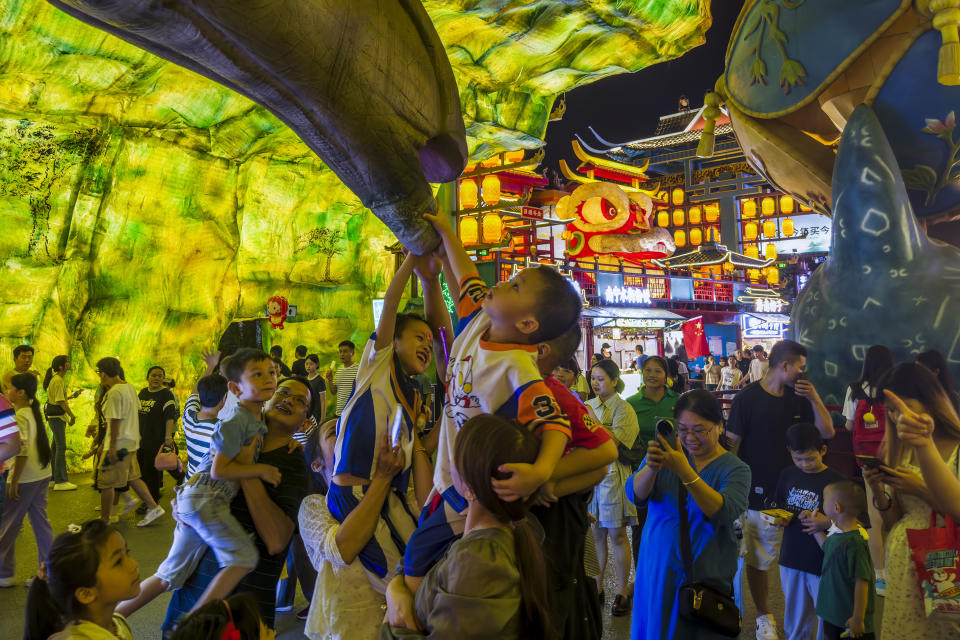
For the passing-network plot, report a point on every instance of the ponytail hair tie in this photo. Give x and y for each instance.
(230, 632)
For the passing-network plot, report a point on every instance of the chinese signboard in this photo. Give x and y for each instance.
(757, 328)
(626, 295)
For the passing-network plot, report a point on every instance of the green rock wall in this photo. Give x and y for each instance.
(144, 207)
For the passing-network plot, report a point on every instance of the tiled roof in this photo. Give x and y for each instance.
(711, 253)
(675, 122)
(670, 140)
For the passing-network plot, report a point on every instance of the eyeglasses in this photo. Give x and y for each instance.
(283, 393)
(696, 432)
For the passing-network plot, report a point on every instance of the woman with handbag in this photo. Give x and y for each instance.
(609, 504)
(693, 496)
(158, 422)
(58, 414)
(903, 498)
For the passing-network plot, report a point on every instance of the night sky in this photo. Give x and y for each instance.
(627, 106)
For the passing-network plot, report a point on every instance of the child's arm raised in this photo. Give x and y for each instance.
(391, 301)
(242, 467)
(427, 268)
(460, 262)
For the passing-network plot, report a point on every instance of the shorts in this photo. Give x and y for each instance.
(118, 474)
(440, 526)
(761, 540)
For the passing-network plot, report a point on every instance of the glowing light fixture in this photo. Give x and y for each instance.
(751, 251)
(750, 231)
(769, 228)
(770, 251)
(677, 196)
(694, 215)
(696, 237)
(679, 238)
(663, 218)
(712, 211)
(513, 156)
(786, 204)
(678, 217)
(773, 275)
(468, 194)
(468, 230)
(748, 208)
(490, 189)
(788, 227)
(492, 228)
(753, 274)
(493, 161)
(768, 206)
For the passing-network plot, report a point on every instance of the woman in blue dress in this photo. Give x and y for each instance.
(717, 483)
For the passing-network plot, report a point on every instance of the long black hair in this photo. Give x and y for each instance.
(876, 362)
(27, 383)
(72, 564)
(935, 361)
(484, 443)
(55, 366)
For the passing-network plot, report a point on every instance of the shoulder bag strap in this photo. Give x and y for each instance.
(685, 551)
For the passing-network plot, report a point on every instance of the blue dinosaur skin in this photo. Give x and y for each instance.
(885, 281)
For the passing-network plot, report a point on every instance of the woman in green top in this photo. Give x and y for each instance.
(491, 583)
(655, 399)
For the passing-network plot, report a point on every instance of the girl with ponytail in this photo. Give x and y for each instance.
(88, 573)
(27, 484)
(491, 583)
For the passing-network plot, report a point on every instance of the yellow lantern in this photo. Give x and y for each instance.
(788, 227)
(663, 218)
(804, 207)
(470, 168)
(493, 161)
(769, 228)
(748, 208)
(678, 217)
(696, 237)
(716, 269)
(750, 231)
(663, 197)
(773, 275)
(677, 196)
(513, 156)
(770, 251)
(468, 194)
(468, 230)
(751, 251)
(490, 189)
(492, 228)
(786, 204)
(713, 234)
(728, 267)
(753, 274)
(712, 211)
(679, 238)
(768, 206)
(693, 215)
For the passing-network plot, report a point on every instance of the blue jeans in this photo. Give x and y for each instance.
(58, 448)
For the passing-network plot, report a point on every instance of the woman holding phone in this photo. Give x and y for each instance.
(715, 483)
(902, 497)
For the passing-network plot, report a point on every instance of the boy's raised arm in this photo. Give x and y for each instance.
(391, 301)
(460, 262)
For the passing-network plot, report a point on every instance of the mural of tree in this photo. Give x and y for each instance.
(323, 241)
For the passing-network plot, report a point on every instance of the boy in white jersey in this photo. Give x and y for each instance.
(493, 369)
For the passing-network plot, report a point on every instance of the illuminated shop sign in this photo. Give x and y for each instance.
(626, 295)
(756, 328)
(769, 305)
(638, 323)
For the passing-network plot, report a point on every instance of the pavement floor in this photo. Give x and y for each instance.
(149, 546)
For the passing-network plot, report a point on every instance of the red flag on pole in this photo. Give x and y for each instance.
(694, 338)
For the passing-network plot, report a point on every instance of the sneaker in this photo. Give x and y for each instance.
(64, 486)
(151, 515)
(8, 582)
(881, 586)
(129, 504)
(142, 509)
(767, 628)
(303, 613)
(621, 606)
(283, 608)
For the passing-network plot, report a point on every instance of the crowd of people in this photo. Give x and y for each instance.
(498, 515)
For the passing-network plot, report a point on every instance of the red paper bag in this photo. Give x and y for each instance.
(935, 554)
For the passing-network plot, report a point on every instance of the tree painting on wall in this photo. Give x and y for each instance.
(325, 242)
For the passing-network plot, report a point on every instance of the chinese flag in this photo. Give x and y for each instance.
(694, 339)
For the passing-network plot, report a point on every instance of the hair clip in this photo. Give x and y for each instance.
(230, 632)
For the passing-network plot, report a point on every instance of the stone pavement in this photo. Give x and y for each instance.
(149, 547)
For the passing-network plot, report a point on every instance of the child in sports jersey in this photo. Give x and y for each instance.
(492, 369)
(400, 350)
(571, 598)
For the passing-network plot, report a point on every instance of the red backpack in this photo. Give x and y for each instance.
(866, 440)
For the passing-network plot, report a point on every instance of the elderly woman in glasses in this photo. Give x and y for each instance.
(696, 471)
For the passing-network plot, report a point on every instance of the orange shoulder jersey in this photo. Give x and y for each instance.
(485, 377)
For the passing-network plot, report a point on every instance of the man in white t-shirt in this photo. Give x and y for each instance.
(121, 411)
(759, 365)
(342, 382)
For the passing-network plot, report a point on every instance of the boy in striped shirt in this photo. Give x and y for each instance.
(200, 417)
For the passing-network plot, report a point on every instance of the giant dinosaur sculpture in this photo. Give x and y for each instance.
(366, 84)
(884, 281)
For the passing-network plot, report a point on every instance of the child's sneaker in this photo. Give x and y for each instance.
(767, 628)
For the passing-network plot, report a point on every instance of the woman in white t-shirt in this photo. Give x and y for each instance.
(27, 483)
(58, 414)
(730, 375)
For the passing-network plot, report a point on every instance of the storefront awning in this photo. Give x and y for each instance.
(770, 317)
(632, 313)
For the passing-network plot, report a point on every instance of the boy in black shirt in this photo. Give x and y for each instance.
(800, 491)
(757, 429)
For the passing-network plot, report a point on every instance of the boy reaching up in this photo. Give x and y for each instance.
(493, 369)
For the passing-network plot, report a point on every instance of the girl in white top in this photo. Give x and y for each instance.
(89, 573)
(27, 483)
(730, 375)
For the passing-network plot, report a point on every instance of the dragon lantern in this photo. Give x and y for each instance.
(606, 220)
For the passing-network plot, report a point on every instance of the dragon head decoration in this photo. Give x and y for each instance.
(606, 220)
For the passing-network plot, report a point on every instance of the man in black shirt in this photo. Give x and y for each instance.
(270, 513)
(757, 428)
(299, 366)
